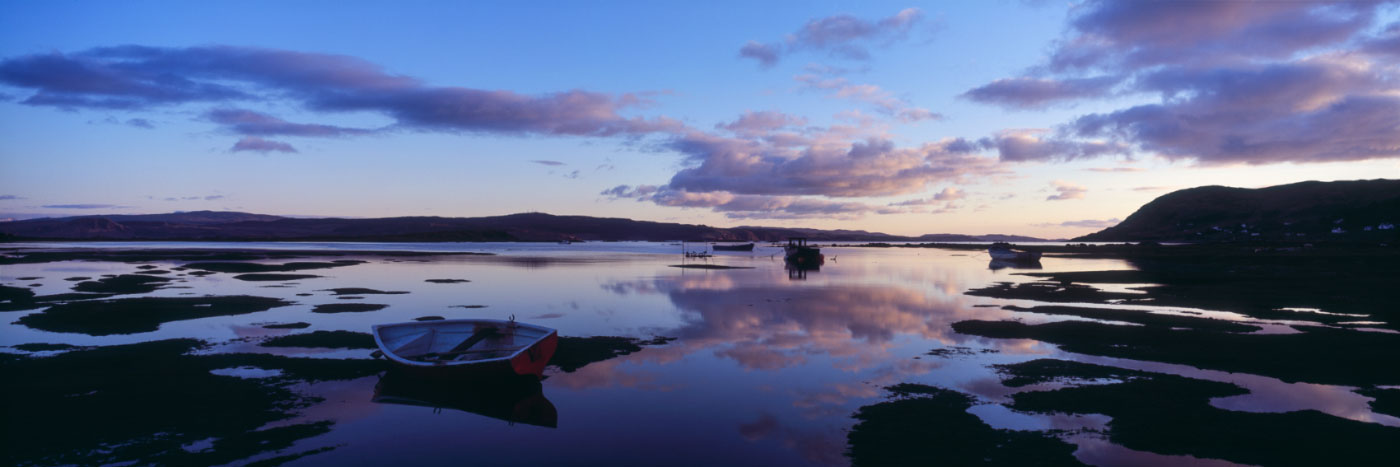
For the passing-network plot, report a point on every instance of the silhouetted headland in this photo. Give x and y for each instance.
(1354, 210)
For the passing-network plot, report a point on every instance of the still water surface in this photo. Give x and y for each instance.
(767, 366)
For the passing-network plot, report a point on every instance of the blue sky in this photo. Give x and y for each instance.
(1043, 118)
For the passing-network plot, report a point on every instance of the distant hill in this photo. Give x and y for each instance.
(1360, 210)
(529, 227)
(193, 217)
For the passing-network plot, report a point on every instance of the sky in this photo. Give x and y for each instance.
(1044, 118)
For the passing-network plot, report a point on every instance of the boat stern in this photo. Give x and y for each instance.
(532, 360)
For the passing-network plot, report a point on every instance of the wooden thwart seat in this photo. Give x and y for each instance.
(478, 336)
(465, 346)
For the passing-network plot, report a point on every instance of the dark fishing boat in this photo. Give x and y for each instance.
(1002, 251)
(468, 347)
(798, 253)
(998, 264)
(741, 247)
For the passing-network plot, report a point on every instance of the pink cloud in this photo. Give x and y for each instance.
(842, 36)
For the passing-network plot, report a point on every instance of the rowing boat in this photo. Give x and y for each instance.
(468, 346)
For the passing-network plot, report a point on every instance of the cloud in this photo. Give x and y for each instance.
(1153, 188)
(256, 144)
(84, 206)
(744, 206)
(771, 168)
(883, 100)
(91, 80)
(840, 33)
(628, 191)
(826, 164)
(139, 77)
(1386, 45)
(1115, 169)
(915, 114)
(1117, 34)
(787, 207)
(1066, 190)
(1325, 109)
(247, 122)
(548, 163)
(1032, 93)
(1090, 223)
(1037, 144)
(191, 198)
(10, 197)
(1247, 83)
(843, 36)
(766, 54)
(762, 158)
(135, 122)
(950, 194)
(943, 201)
(752, 124)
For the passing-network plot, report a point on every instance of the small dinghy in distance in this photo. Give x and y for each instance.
(468, 347)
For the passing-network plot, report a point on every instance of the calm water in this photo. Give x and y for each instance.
(767, 367)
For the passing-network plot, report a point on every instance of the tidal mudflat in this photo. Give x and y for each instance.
(884, 355)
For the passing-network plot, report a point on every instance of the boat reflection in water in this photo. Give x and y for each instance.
(798, 272)
(515, 400)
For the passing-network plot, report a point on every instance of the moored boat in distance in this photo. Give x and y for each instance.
(798, 253)
(997, 264)
(739, 247)
(1002, 251)
(694, 254)
(468, 347)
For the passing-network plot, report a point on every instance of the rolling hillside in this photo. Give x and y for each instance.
(1360, 210)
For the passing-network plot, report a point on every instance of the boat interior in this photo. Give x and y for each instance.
(443, 342)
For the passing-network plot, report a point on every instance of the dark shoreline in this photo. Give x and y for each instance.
(46, 255)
